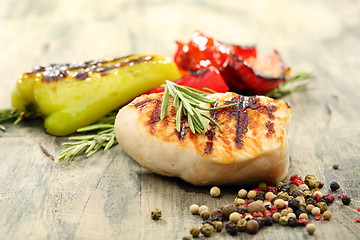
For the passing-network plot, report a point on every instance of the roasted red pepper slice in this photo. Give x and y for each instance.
(204, 78)
(240, 67)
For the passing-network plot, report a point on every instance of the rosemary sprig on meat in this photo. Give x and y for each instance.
(188, 103)
(97, 136)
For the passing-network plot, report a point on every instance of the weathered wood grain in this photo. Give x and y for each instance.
(109, 196)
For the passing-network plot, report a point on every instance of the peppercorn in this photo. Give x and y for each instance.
(252, 226)
(206, 229)
(257, 206)
(242, 193)
(315, 211)
(195, 231)
(303, 187)
(194, 209)
(238, 201)
(322, 205)
(234, 217)
(251, 194)
(294, 204)
(334, 186)
(262, 186)
(278, 185)
(309, 208)
(292, 222)
(311, 200)
(217, 225)
(202, 208)
(285, 188)
(283, 195)
(205, 214)
(242, 225)
(269, 195)
(276, 216)
(284, 212)
(260, 222)
(261, 198)
(268, 221)
(335, 165)
(279, 203)
(283, 220)
(327, 215)
(216, 213)
(310, 228)
(231, 228)
(215, 192)
(302, 222)
(297, 193)
(300, 211)
(227, 210)
(311, 181)
(303, 216)
(346, 200)
(291, 215)
(155, 214)
(242, 210)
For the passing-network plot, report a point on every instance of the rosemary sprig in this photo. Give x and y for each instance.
(293, 83)
(99, 135)
(188, 103)
(7, 115)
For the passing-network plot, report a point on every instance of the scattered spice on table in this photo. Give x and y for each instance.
(293, 203)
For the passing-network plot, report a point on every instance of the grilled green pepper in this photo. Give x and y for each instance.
(70, 96)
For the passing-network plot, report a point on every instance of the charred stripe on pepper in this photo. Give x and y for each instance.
(70, 96)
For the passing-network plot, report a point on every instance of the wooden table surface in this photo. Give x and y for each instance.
(109, 196)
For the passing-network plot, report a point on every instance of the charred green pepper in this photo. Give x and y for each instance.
(70, 96)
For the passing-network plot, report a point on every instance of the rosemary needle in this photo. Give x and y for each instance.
(99, 135)
(187, 101)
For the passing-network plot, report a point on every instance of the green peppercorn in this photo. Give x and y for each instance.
(242, 224)
(303, 187)
(283, 195)
(217, 225)
(156, 214)
(312, 181)
(262, 186)
(283, 220)
(195, 231)
(323, 206)
(207, 229)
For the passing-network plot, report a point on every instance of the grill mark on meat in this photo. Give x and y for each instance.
(143, 103)
(182, 134)
(270, 126)
(209, 147)
(270, 110)
(210, 134)
(239, 112)
(155, 114)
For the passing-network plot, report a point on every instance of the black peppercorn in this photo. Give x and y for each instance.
(273, 200)
(268, 221)
(260, 222)
(216, 218)
(298, 212)
(311, 200)
(346, 200)
(231, 228)
(242, 210)
(334, 186)
(292, 222)
(294, 204)
(285, 188)
(262, 198)
(207, 221)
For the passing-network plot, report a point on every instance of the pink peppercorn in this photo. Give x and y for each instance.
(272, 189)
(331, 197)
(273, 208)
(359, 209)
(267, 214)
(318, 197)
(257, 215)
(318, 217)
(341, 195)
(358, 219)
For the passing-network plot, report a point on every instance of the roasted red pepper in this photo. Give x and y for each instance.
(240, 67)
(201, 79)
